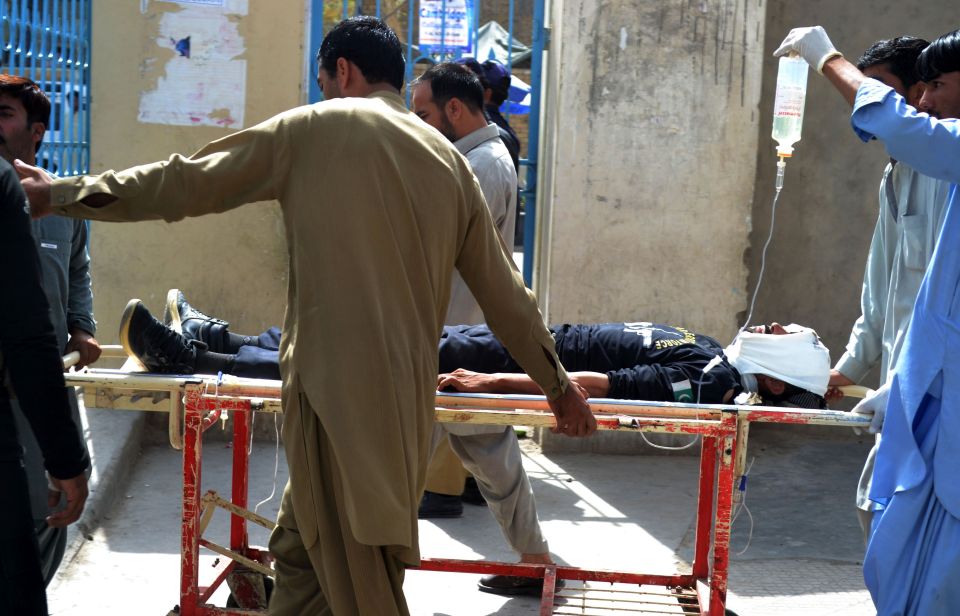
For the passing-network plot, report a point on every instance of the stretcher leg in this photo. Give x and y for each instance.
(239, 541)
(707, 491)
(189, 531)
(724, 515)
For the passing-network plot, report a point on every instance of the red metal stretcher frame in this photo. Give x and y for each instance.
(197, 403)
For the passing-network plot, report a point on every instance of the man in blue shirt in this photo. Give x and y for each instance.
(912, 564)
(912, 209)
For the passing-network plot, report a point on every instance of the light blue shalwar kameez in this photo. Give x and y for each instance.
(912, 565)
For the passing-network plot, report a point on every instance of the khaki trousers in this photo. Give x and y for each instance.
(446, 474)
(337, 575)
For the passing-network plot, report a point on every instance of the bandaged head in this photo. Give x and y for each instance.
(797, 357)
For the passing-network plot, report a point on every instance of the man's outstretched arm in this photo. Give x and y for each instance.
(243, 167)
(927, 144)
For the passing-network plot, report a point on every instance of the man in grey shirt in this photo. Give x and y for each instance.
(439, 98)
(449, 97)
(65, 268)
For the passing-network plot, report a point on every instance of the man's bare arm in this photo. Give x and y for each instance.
(595, 384)
(468, 381)
(844, 76)
(573, 415)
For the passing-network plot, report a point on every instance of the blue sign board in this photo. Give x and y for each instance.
(446, 27)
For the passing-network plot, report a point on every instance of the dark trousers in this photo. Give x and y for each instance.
(21, 579)
(259, 361)
(472, 347)
(52, 543)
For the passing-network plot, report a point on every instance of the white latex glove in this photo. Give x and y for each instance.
(813, 45)
(874, 405)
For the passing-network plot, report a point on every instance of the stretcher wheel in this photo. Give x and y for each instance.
(268, 590)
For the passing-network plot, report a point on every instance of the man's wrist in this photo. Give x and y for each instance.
(828, 60)
(80, 330)
(557, 391)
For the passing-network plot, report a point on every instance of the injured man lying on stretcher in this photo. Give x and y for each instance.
(637, 361)
(630, 361)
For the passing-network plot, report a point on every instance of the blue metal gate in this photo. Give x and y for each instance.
(48, 41)
(461, 17)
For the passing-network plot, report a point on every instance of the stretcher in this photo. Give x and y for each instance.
(194, 403)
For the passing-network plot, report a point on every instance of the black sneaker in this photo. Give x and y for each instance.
(434, 505)
(158, 347)
(183, 318)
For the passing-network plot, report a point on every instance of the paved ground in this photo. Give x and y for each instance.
(599, 511)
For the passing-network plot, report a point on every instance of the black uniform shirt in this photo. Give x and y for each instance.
(644, 361)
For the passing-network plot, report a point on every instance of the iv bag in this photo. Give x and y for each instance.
(788, 104)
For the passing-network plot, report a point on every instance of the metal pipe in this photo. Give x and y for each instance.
(533, 140)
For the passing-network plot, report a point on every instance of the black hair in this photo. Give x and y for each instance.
(899, 54)
(941, 56)
(370, 44)
(33, 99)
(452, 80)
(793, 396)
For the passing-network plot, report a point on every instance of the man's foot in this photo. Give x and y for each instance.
(471, 493)
(434, 505)
(158, 347)
(184, 319)
(513, 585)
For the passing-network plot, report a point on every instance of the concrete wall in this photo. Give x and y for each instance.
(653, 160)
(233, 264)
(828, 206)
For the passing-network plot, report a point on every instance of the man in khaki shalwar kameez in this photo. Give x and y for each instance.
(379, 209)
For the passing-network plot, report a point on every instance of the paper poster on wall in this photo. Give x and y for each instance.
(204, 82)
(446, 26)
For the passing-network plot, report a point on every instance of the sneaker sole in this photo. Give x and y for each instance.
(125, 327)
(171, 315)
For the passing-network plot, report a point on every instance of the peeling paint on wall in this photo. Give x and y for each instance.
(203, 83)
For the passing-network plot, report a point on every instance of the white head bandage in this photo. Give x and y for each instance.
(797, 357)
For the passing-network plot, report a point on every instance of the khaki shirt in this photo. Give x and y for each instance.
(379, 209)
